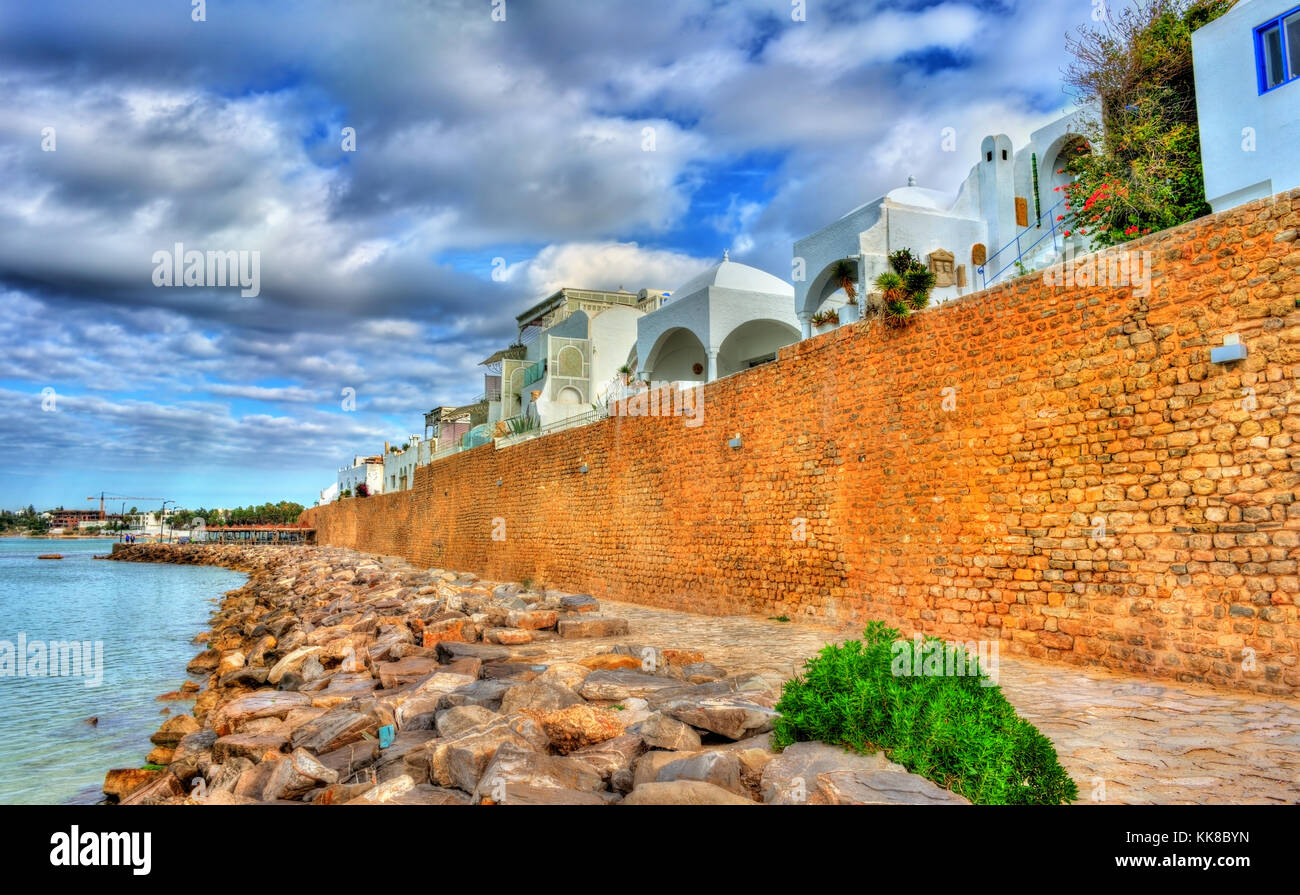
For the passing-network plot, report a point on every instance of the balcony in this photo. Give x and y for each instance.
(534, 372)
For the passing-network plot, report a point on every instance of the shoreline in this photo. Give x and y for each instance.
(337, 677)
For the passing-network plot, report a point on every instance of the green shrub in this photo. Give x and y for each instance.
(950, 729)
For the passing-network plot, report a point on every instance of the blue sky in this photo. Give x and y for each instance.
(522, 139)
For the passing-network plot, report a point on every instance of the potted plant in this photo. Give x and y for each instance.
(825, 321)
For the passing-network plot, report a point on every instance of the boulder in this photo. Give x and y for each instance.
(611, 661)
(454, 721)
(719, 768)
(296, 775)
(577, 726)
(579, 603)
(788, 777)
(683, 792)
(733, 717)
(460, 761)
(293, 663)
(613, 755)
(532, 619)
(253, 746)
(484, 693)
(566, 674)
(662, 732)
(261, 704)
(538, 696)
(518, 764)
(121, 782)
(173, 730)
(888, 787)
(337, 727)
(591, 626)
(616, 684)
(507, 636)
(394, 675)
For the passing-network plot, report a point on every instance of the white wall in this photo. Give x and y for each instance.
(1228, 101)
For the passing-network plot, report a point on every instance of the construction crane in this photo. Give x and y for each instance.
(104, 495)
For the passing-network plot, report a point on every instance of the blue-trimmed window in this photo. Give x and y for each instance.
(1277, 50)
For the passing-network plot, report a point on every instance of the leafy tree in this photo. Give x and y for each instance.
(1140, 169)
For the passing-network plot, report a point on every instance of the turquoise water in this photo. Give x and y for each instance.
(145, 616)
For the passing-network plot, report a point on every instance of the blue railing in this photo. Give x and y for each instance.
(1017, 244)
(535, 372)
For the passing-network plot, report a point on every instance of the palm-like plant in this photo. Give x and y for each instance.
(845, 274)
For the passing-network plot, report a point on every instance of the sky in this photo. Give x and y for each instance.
(384, 160)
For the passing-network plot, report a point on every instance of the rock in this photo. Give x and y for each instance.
(121, 782)
(538, 696)
(880, 788)
(484, 693)
(591, 626)
(788, 777)
(262, 704)
(577, 726)
(579, 603)
(205, 662)
(702, 672)
(449, 630)
(392, 759)
(173, 730)
(427, 794)
(517, 764)
(456, 720)
(292, 663)
(159, 791)
(613, 755)
(466, 665)
(647, 767)
(296, 775)
(224, 777)
(611, 661)
(346, 760)
(384, 793)
(533, 619)
(613, 685)
(683, 792)
(194, 750)
(719, 768)
(460, 761)
(160, 755)
(253, 746)
(244, 677)
(662, 732)
(515, 672)
(507, 636)
(450, 651)
(231, 662)
(755, 754)
(528, 794)
(566, 674)
(729, 716)
(393, 675)
(337, 727)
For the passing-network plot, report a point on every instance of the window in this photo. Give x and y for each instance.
(1277, 50)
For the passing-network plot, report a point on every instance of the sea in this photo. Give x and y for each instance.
(114, 636)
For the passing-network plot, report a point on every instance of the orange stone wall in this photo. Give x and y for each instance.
(1070, 408)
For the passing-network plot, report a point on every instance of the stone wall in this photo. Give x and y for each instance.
(1060, 468)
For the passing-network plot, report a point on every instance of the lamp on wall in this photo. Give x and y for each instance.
(735, 440)
(583, 469)
(1231, 350)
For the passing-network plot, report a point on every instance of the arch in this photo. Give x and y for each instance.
(674, 356)
(569, 362)
(1050, 183)
(569, 395)
(824, 285)
(754, 342)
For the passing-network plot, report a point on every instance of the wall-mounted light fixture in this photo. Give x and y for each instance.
(735, 440)
(498, 483)
(583, 469)
(1231, 350)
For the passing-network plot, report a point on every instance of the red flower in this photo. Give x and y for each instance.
(1060, 217)
(1067, 232)
(1131, 230)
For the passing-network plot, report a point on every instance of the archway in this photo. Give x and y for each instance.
(678, 356)
(1052, 178)
(752, 343)
(825, 286)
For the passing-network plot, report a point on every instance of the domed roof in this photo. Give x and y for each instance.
(920, 197)
(728, 274)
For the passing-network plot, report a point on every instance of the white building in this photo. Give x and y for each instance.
(329, 495)
(1247, 68)
(399, 466)
(1004, 213)
(367, 470)
(729, 318)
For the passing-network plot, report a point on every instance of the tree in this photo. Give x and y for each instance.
(1142, 169)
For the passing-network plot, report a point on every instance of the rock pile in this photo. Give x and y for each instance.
(335, 677)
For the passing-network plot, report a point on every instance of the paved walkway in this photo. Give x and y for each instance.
(1123, 739)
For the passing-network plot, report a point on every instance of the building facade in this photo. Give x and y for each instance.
(1247, 69)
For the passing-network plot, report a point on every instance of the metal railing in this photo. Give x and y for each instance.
(1016, 244)
(535, 372)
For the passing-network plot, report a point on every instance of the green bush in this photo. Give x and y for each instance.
(950, 729)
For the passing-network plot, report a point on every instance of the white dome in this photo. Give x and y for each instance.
(731, 275)
(920, 197)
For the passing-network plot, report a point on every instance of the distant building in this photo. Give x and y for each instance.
(399, 466)
(364, 470)
(1247, 68)
(66, 519)
(1004, 213)
(329, 495)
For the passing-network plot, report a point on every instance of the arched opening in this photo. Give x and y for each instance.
(753, 343)
(1052, 176)
(569, 395)
(678, 356)
(825, 291)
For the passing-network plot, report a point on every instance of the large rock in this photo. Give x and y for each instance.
(577, 726)
(513, 763)
(566, 674)
(579, 603)
(393, 675)
(529, 794)
(253, 746)
(450, 651)
(683, 792)
(335, 728)
(346, 760)
(719, 768)
(662, 732)
(454, 721)
(880, 788)
(730, 716)
(610, 662)
(591, 626)
(296, 775)
(486, 694)
(121, 782)
(294, 663)
(262, 704)
(789, 776)
(613, 685)
(532, 619)
(538, 696)
(614, 755)
(460, 761)
(173, 730)
(819, 774)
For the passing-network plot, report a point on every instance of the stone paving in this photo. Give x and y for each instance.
(1125, 740)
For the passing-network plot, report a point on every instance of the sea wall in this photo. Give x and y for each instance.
(1059, 467)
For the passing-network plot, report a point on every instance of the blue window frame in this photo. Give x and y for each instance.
(1277, 51)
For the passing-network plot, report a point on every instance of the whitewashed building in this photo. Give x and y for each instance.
(1005, 212)
(1247, 68)
(729, 318)
(367, 470)
(399, 465)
